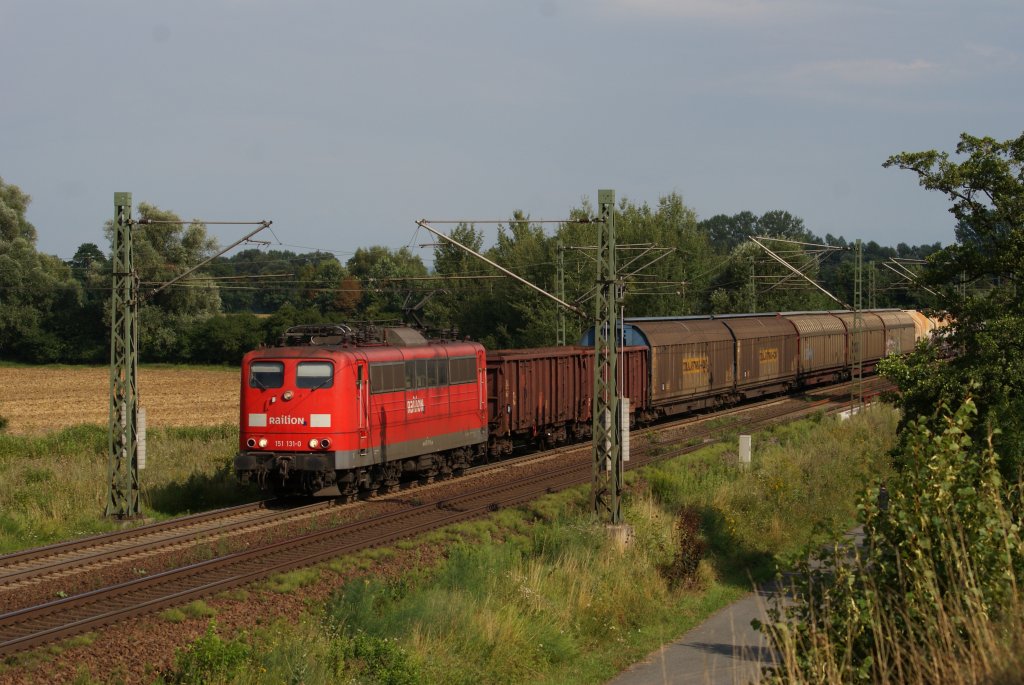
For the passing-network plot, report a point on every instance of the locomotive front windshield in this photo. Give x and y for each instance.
(266, 375)
(314, 375)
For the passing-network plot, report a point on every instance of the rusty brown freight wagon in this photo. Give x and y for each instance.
(766, 353)
(692, 362)
(545, 395)
(899, 330)
(821, 352)
(872, 338)
(923, 325)
(927, 327)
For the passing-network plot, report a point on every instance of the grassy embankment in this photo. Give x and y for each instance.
(54, 487)
(540, 594)
(53, 447)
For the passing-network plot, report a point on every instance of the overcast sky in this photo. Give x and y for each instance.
(345, 122)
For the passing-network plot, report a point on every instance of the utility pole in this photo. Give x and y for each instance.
(606, 487)
(123, 442)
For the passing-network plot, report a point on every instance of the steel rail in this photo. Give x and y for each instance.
(106, 538)
(63, 618)
(45, 561)
(30, 627)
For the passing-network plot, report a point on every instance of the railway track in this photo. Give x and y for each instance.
(33, 626)
(36, 565)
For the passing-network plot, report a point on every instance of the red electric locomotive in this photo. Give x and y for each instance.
(334, 411)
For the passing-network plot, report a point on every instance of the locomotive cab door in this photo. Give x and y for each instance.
(481, 371)
(363, 406)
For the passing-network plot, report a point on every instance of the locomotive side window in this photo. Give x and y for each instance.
(417, 374)
(463, 370)
(438, 370)
(314, 375)
(266, 375)
(388, 377)
(376, 378)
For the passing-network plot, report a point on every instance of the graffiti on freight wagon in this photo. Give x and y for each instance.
(695, 365)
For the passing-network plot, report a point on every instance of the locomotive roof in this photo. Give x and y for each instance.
(380, 352)
(358, 335)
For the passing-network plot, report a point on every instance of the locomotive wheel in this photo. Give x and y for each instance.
(349, 492)
(387, 478)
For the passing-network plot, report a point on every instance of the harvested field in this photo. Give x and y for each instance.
(40, 399)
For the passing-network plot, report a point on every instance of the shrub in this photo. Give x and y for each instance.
(682, 570)
(210, 659)
(381, 660)
(935, 584)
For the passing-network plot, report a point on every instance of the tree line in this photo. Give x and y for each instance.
(53, 310)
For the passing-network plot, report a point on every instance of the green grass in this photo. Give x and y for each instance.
(173, 615)
(283, 583)
(541, 594)
(195, 609)
(236, 594)
(38, 658)
(54, 487)
(199, 609)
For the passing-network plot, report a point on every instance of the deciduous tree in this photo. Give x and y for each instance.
(39, 299)
(164, 250)
(978, 278)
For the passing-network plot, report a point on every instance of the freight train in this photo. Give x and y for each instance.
(339, 412)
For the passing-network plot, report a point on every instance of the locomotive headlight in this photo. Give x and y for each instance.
(250, 443)
(288, 394)
(262, 442)
(313, 442)
(325, 443)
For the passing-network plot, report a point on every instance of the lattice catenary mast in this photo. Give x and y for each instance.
(606, 488)
(123, 442)
(125, 435)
